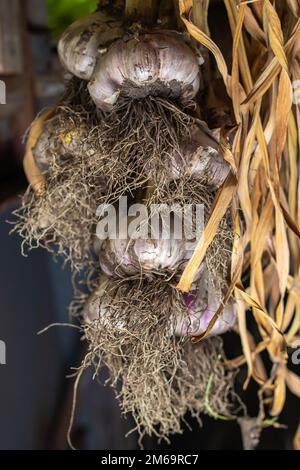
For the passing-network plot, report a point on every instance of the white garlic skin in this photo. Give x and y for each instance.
(131, 257)
(199, 157)
(63, 142)
(95, 307)
(98, 307)
(156, 63)
(80, 44)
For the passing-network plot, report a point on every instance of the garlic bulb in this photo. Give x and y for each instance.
(130, 257)
(202, 306)
(198, 321)
(95, 307)
(156, 63)
(62, 141)
(98, 307)
(199, 157)
(82, 42)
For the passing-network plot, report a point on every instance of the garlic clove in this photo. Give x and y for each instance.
(183, 68)
(146, 68)
(79, 45)
(106, 90)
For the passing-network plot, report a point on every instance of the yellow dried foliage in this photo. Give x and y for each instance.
(265, 191)
(33, 174)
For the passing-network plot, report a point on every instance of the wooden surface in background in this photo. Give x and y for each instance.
(20, 108)
(11, 57)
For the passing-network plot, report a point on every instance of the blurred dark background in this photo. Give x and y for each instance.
(35, 291)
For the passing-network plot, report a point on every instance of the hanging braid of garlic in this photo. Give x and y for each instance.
(143, 84)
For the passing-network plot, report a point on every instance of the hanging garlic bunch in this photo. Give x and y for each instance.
(86, 39)
(140, 85)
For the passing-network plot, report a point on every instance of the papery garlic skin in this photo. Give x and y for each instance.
(197, 322)
(199, 157)
(61, 142)
(98, 308)
(95, 307)
(201, 308)
(81, 43)
(159, 63)
(131, 257)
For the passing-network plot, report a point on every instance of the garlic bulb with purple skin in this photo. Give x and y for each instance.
(84, 41)
(199, 157)
(159, 63)
(201, 308)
